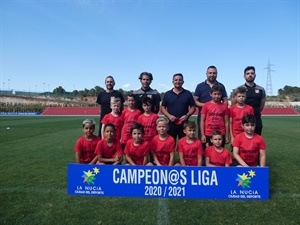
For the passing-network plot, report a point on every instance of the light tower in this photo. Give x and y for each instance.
(269, 90)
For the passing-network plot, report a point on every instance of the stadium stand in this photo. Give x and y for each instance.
(95, 111)
(50, 111)
(279, 111)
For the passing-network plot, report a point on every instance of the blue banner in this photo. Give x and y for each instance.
(243, 183)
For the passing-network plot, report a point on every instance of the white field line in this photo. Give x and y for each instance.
(163, 212)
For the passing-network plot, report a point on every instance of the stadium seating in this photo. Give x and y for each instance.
(71, 111)
(95, 111)
(279, 111)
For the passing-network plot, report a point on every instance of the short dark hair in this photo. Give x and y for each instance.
(211, 67)
(248, 118)
(131, 95)
(147, 101)
(216, 132)
(137, 126)
(177, 74)
(109, 125)
(146, 74)
(249, 68)
(216, 87)
(240, 90)
(110, 77)
(189, 124)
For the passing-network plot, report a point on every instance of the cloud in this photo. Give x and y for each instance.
(165, 87)
(125, 85)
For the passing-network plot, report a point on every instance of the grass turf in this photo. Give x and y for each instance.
(35, 152)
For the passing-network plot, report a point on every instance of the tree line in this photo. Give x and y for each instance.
(293, 92)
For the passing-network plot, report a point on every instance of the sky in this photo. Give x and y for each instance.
(76, 44)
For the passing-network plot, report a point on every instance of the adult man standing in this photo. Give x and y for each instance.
(104, 99)
(202, 92)
(255, 96)
(146, 91)
(178, 105)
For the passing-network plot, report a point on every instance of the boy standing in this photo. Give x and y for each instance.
(214, 116)
(162, 145)
(130, 116)
(189, 147)
(237, 112)
(148, 119)
(114, 117)
(248, 146)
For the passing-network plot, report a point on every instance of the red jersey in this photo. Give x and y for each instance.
(218, 158)
(190, 151)
(249, 147)
(130, 117)
(236, 114)
(86, 148)
(214, 117)
(108, 152)
(149, 123)
(137, 153)
(162, 149)
(115, 120)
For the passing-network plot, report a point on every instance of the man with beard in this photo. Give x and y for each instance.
(255, 96)
(202, 92)
(178, 105)
(146, 91)
(104, 99)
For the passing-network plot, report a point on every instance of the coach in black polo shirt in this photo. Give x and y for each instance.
(255, 96)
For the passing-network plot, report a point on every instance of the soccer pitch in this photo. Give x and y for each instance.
(35, 152)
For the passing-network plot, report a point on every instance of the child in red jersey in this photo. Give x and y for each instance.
(148, 120)
(248, 146)
(162, 145)
(85, 146)
(114, 117)
(217, 155)
(109, 150)
(189, 147)
(237, 112)
(136, 149)
(214, 116)
(130, 116)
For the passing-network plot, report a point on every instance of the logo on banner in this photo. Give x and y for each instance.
(244, 180)
(89, 178)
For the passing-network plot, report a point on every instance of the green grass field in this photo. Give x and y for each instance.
(35, 152)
